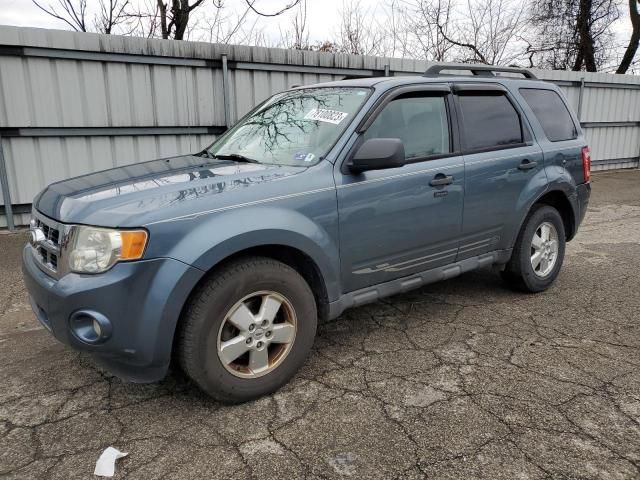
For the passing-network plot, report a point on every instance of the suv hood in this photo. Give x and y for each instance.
(137, 194)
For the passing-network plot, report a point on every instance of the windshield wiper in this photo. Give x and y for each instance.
(236, 157)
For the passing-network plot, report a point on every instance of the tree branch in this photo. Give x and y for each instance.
(250, 4)
(473, 48)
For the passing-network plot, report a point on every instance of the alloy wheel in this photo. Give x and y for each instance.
(257, 334)
(544, 249)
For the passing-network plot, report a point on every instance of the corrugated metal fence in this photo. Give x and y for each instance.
(73, 103)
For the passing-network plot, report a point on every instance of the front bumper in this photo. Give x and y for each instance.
(142, 300)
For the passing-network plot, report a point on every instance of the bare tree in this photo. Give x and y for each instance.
(531, 51)
(397, 44)
(423, 27)
(632, 48)
(297, 37)
(110, 14)
(480, 31)
(485, 32)
(359, 31)
(438, 23)
(224, 27)
(174, 18)
(573, 34)
(74, 13)
(561, 34)
(143, 19)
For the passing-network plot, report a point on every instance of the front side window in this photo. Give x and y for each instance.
(552, 113)
(419, 121)
(293, 128)
(489, 121)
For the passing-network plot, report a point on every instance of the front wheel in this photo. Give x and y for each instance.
(247, 329)
(539, 251)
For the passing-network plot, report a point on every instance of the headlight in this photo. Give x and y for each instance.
(95, 250)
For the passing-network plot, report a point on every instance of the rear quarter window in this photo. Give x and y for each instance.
(551, 112)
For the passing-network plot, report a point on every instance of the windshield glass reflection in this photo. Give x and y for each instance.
(293, 128)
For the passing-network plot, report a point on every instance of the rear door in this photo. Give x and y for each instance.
(398, 221)
(503, 167)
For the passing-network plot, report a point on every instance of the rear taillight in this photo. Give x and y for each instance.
(586, 163)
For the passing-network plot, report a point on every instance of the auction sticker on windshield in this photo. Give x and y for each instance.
(326, 115)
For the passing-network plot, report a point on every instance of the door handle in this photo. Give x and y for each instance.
(527, 165)
(441, 179)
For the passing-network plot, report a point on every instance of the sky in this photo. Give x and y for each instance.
(24, 13)
(322, 15)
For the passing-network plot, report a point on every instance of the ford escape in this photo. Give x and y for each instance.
(322, 198)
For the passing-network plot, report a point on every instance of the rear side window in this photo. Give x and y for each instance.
(489, 121)
(552, 113)
(419, 121)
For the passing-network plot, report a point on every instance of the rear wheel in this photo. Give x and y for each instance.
(539, 251)
(247, 329)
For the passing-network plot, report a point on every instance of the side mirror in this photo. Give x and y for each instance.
(377, 154)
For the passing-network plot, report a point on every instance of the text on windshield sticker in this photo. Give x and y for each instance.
(325, 115)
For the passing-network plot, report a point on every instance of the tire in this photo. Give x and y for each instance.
(519, 272)
(207, 324)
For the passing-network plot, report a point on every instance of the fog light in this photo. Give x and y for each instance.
(90, 327)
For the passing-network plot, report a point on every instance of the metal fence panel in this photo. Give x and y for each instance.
(72, 103)
(614, 143)
(39, 161)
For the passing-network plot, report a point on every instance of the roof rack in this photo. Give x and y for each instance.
(478, 70)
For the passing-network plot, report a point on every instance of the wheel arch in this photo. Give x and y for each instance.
(291, 256)
(558, 199)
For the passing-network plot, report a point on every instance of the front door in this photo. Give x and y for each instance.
(399, 221)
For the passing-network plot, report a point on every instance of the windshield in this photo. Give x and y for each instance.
(293, 128)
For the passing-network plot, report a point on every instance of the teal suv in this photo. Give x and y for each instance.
(322, 198)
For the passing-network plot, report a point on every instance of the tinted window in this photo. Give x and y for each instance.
(420, 122)
(489, 121)
(551, 112)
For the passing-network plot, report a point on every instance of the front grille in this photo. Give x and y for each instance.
(51, 233)
(53, 260)
(47, 251)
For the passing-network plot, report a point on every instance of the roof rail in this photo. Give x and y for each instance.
(479, 70)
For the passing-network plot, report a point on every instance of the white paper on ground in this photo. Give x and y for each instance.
(106, 464)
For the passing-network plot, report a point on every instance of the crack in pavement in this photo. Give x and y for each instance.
(460, 379)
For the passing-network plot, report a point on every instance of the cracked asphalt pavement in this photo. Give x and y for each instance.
(461, 379)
